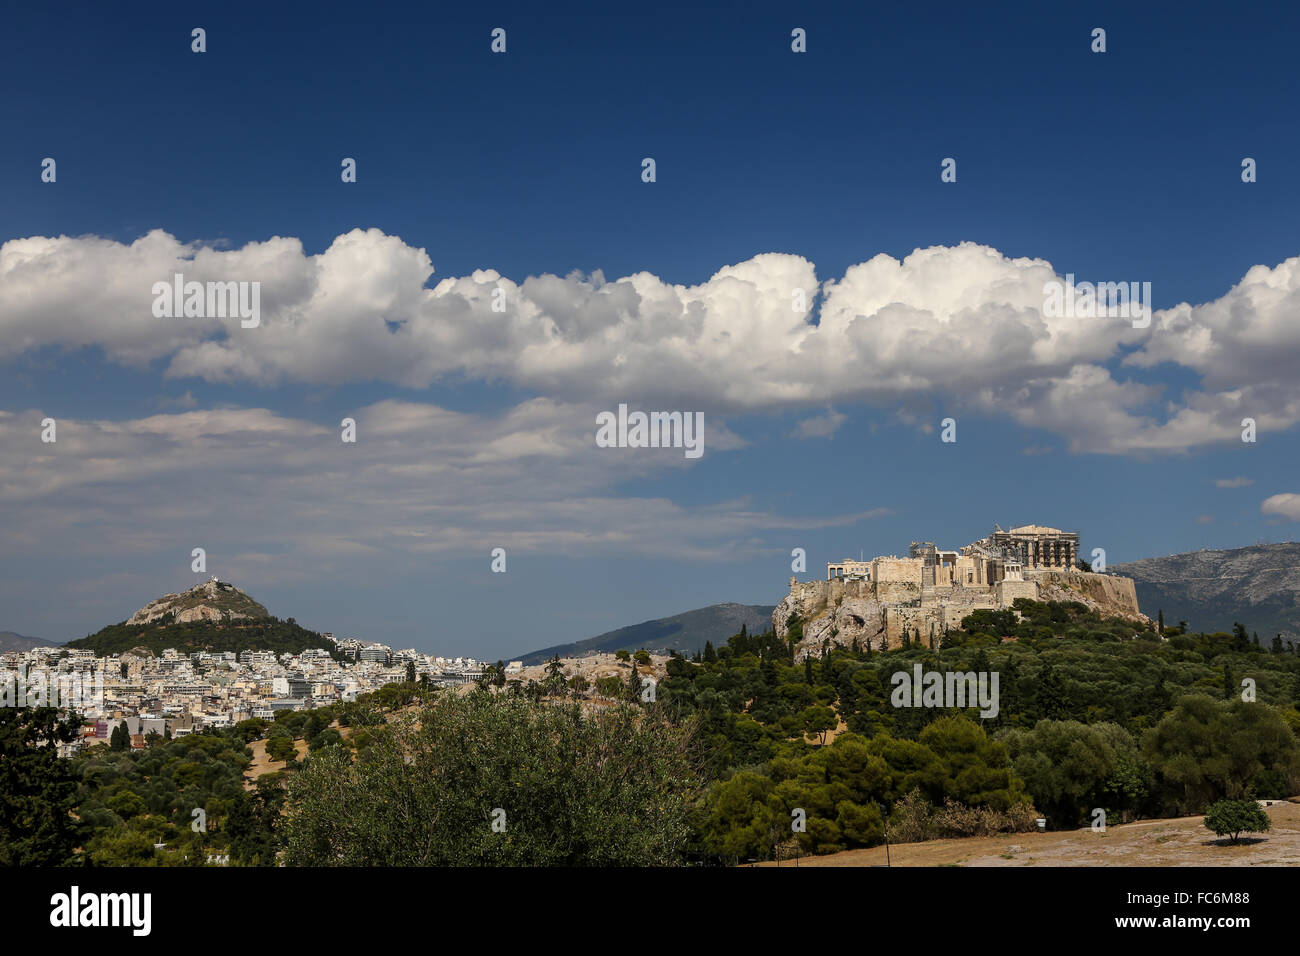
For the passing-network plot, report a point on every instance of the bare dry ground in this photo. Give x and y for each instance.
(263, 764)
(1180, 841)
(595, 666)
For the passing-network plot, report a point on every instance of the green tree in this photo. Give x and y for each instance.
(37, 788)
(818, 720)
(281, 747)
(1232, 818)
(1049, 695)
(554, 682)
(329, 737)
(1070, 767)
(1207, 750)
(122, 848)
(120, 738)
(606, 789)
(742, 818)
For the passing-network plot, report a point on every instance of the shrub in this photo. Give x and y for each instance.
(1231, 818)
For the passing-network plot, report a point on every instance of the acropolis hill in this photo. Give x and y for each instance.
(873, 602)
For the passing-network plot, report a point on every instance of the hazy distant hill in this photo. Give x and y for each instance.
(9, 641)
(1258, 586)
(685, 632)
(213, 616)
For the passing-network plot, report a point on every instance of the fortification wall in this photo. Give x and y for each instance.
(920, 619)
(896, 570)
(898, 592)
(1106, 593)
(1008, 591)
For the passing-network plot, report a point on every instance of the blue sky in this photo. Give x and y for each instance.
(1121, 166)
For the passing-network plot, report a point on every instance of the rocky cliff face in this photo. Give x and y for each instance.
(211, 601)
(1108, 594)
(845, 612)
(839, 611)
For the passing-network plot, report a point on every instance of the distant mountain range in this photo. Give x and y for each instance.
(685, 632)
(1258, 586)
(9, 641)
(213, 616)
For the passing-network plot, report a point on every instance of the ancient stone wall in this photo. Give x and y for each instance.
(920, 619)
(1107, 594)
(1008, 591)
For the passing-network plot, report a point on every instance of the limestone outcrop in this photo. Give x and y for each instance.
(211, 601)
(1108, 594)
(841, 612)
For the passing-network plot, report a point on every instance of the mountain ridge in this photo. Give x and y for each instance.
(685, 632)
(13, 641)
(1211, 589)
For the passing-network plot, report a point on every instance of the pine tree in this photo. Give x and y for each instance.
(38, 788)
(1239, 639)
(1049, 695)
(1161, 699)
(120, 738)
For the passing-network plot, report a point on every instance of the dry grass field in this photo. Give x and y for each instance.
(1181, 841)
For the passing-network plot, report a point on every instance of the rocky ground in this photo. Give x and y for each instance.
(595, 666)
(1180, 841)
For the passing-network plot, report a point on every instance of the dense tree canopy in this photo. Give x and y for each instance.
(743, 753)
(493, 779)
